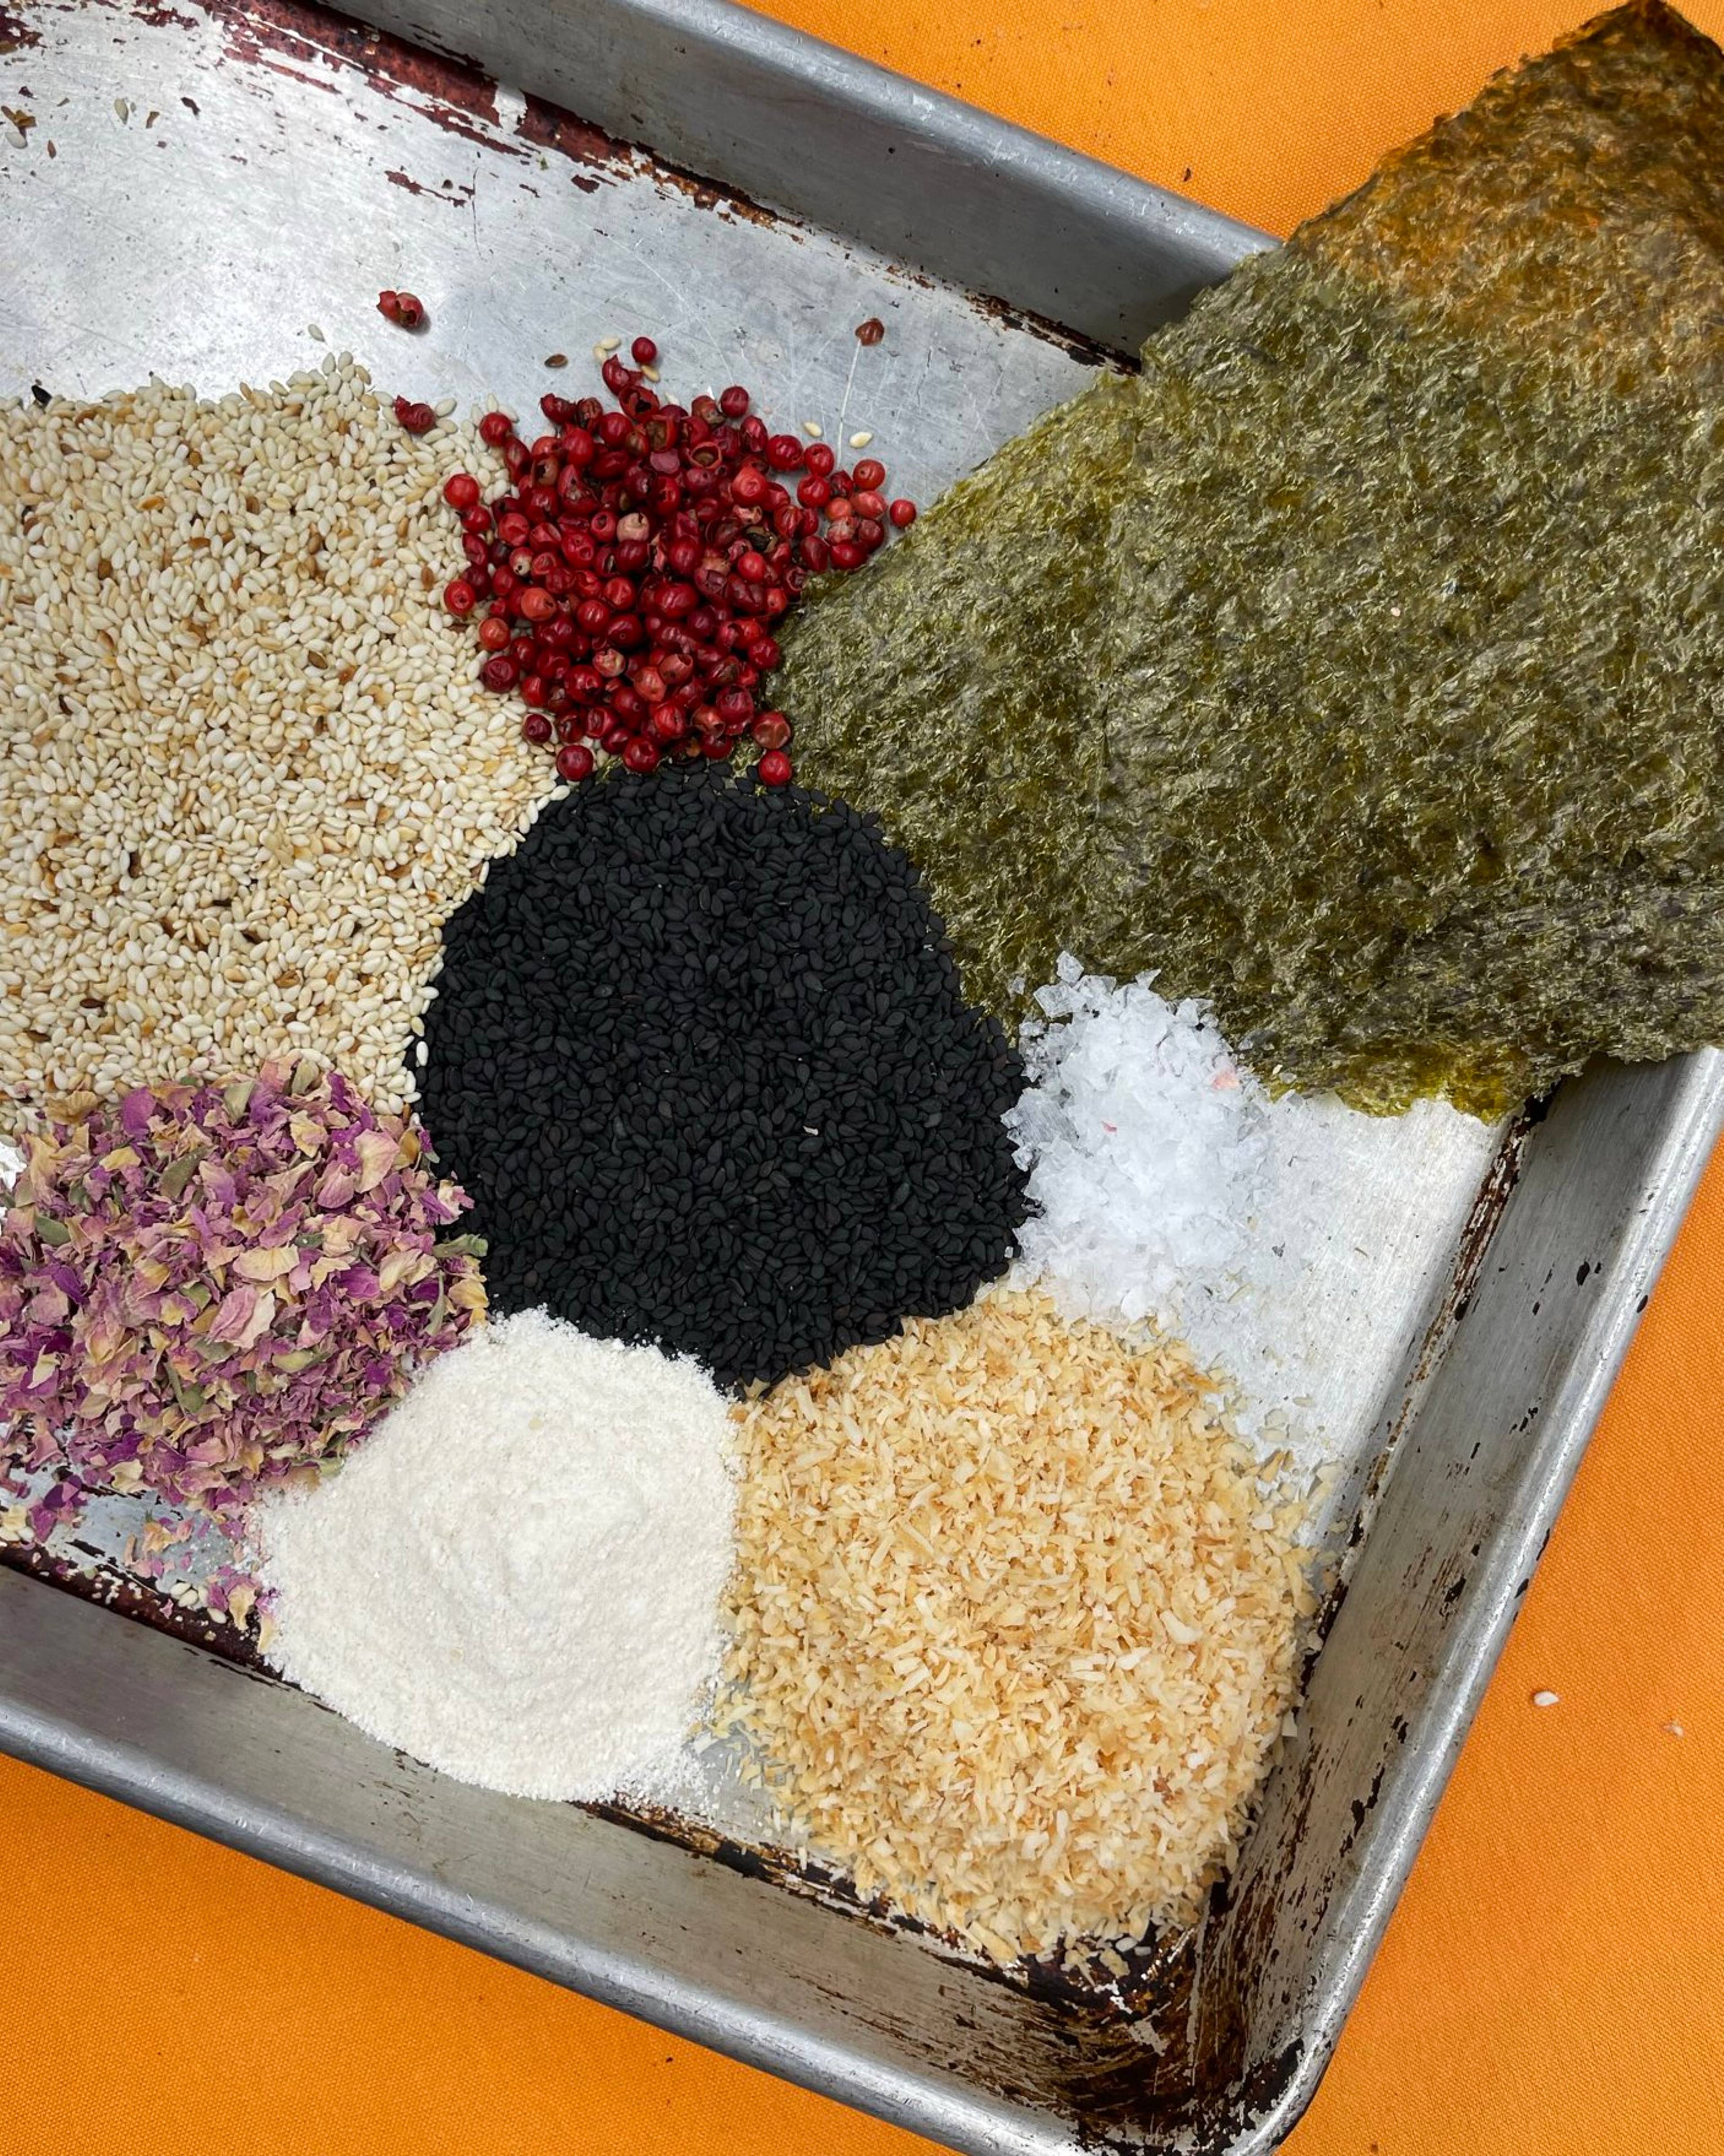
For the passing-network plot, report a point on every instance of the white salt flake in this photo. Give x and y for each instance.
(516, 1579)
(1141, 1166)
(1172, 1192)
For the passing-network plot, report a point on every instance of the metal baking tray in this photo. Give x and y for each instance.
(220, 181)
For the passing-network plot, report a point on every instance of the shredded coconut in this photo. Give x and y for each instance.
(1017, 1624)
(517, 1580)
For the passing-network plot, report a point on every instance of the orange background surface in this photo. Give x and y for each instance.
(1552, 1983)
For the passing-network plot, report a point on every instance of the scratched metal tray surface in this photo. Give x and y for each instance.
(216, 194)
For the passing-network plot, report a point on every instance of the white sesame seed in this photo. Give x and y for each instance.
(812, 427)
(299, 781)
(313, 330)
(1547, 1699)
(605, 346)
(861, 441)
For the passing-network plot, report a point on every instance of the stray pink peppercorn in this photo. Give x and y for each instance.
(643, 351)
(459, 596)
(417, 418)
(902, 513)
(574, 762)
(774, 769)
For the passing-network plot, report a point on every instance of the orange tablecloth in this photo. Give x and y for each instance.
(1553, 1982)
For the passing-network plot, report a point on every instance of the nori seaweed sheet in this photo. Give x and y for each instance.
(1360, 664)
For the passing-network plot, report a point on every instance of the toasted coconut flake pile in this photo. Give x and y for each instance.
(1016, 1624)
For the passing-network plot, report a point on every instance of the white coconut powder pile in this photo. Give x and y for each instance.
(517, 1579)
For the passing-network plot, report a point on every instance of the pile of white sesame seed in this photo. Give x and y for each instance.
(245, 770)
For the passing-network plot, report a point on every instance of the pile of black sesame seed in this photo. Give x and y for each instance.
(701, 1059)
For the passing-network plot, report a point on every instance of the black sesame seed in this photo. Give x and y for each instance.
(701, 1060)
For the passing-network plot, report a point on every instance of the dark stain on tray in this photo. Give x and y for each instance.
(292, 37)
(1073, 2038)
(289, 36)
(549, 128)
(15, 33)
(98, 1580)
(157, 15)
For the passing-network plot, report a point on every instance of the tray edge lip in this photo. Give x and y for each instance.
(1694, 1130)
(967, 128)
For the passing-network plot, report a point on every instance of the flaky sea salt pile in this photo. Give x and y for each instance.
(1145, 1145)
(1170, 1191)
(1286, 1242)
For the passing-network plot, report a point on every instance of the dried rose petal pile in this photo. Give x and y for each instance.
(204, 1289)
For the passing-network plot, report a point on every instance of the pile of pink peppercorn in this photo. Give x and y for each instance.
(632, 576)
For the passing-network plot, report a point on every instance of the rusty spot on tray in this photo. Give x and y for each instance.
(455, 94)
(318, 46)
(157, 16)
(549, 128)
(105, 1582)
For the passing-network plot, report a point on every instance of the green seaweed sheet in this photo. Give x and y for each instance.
(1359, 665)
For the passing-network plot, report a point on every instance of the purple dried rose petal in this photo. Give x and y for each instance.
(268, 1371)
